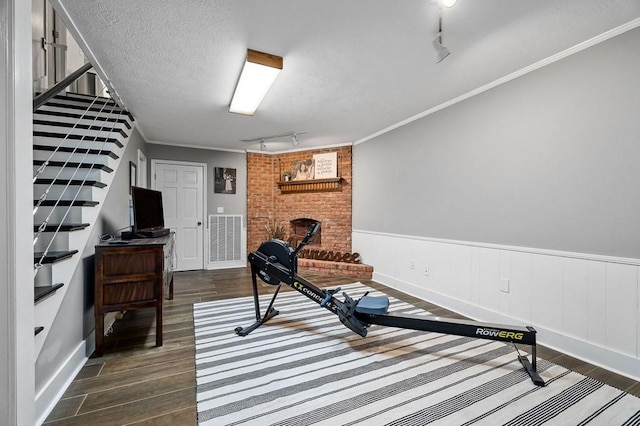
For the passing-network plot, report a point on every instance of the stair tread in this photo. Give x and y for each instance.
(67, 203)
(65, 227)
(37, 330)
(40, 293)
(76, 150)
(86, 117)
(53, 103)
(53, 256)
(81, 97)
(73, 165)
(79, 126)
(57, 102)
(83, 138)
(72, 182)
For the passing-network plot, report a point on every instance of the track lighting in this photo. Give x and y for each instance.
(263, 147)
(441, 51)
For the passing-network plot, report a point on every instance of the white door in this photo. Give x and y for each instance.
(182, 187)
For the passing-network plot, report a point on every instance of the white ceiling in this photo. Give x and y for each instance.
(351, 67)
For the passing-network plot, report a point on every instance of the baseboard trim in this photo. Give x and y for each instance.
(52, 391)
(604, 358)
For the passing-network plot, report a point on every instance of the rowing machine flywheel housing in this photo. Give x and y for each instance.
(277, 252)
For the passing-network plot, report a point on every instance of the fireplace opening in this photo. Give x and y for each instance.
(299, 228)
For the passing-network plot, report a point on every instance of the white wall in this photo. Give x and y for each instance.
(548, 160)
(534, 181)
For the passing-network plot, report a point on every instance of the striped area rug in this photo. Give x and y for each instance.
(304, 367)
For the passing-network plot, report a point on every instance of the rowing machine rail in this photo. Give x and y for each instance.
(275, 262)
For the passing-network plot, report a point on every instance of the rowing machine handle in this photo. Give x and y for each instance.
(313, 230)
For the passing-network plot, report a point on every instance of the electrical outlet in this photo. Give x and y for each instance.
(504, 285)
(427, 271)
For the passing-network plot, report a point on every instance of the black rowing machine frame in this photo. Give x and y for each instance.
(275, 262)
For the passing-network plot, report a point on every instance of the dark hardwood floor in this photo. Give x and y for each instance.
(135, 383)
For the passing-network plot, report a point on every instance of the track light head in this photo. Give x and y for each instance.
(263, 146)
(294, 140)
(441, 51)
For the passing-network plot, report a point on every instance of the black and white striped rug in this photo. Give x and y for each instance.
(304, 367)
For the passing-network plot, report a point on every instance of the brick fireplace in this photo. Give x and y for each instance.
(272, 200)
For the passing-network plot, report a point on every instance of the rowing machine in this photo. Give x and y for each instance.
(276, 262)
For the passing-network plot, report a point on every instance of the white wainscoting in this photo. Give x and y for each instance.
(587, 306)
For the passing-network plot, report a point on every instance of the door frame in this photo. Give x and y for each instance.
(19, 403)
(142, 170)
(205, 223)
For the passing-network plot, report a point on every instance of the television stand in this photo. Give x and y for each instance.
(132, 275)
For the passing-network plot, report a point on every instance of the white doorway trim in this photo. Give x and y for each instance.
(154, 163)
(17, 350)
(141, 179)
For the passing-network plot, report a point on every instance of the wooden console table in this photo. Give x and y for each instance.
(130, 275)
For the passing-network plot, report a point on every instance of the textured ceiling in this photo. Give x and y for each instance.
(351, 67)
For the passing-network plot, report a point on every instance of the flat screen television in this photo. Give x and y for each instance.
(148, 215)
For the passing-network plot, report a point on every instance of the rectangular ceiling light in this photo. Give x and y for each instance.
(258, 73)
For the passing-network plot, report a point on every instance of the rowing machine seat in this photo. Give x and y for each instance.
(373, 305)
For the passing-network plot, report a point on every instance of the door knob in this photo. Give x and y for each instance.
(199, 223)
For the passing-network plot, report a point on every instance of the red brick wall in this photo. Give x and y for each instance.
(265, 202)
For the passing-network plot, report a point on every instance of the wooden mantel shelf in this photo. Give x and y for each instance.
(315, 185)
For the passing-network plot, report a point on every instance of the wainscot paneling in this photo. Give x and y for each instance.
(584, 305)
(621, 308)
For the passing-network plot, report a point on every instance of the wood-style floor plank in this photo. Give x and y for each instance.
(136, 383)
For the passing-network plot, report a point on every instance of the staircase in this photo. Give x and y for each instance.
(77, 144)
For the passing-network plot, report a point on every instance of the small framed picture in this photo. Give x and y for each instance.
(224, 180)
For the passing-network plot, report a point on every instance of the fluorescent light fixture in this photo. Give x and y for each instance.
(258, 74)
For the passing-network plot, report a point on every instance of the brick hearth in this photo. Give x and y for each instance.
(332, 269)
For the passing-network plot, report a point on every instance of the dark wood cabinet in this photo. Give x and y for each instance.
(130, 275)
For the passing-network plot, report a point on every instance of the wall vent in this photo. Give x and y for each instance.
(225, 238)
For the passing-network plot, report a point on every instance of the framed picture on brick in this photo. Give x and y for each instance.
(224, 180)
(325, 165)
